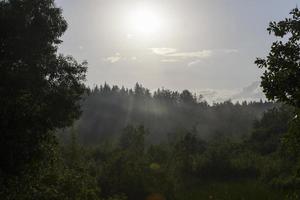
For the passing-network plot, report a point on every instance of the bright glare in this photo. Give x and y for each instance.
(145, 21)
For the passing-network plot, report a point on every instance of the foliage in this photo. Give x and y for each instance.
(60, 180)
(40, 90)
(280, 82)
(131, 169)
(281, 78)
(268, 132)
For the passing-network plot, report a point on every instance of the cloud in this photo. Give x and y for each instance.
(172, 52)
(194, 62)
(113, 59)
(172, 55)
(167, 60)
(163, 51)
(215, 95)
(133, 58)
(118, 57)
(250, 92)
(193, 54)
(192, 57)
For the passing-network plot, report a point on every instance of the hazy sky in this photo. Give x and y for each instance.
(206, 46)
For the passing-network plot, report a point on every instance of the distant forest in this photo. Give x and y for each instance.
(164, 113)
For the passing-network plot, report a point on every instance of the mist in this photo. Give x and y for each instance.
(107, 110)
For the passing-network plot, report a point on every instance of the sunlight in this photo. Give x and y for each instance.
(145, 21)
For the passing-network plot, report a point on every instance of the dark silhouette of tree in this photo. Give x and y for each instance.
(281, 78)
(281, 82)
(40, 90)
(187, 97)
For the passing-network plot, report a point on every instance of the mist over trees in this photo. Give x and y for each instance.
(131, 144)
(109, 109)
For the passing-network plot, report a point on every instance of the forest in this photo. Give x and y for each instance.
(108, 109)
(63, 140)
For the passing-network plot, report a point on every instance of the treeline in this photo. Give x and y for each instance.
(109, 109)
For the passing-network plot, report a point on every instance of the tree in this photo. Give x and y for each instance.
(268, 131)
(187, 97)
(281, 78)
(281, 82)
(40, 90)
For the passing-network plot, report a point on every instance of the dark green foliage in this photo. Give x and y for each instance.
(268, 132)
(291, 141)
(40, 90)
(77, 179)
(132, 169)
(122, 166)
(186, 151)
(281, 82)
(129, 169)
(68, 175)
(235, 190)
(281, 79)
(126, 168)
(289, 174)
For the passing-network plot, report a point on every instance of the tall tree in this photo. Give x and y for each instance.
(40, 89)
(281, 78)
(281, 82)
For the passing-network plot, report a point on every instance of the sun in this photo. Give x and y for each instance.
(145, 21)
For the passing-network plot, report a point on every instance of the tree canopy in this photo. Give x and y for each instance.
(40, 89)
(281, 78)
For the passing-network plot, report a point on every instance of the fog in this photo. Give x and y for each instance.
(164, 113)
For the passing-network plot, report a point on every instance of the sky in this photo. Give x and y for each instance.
(206, 46)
